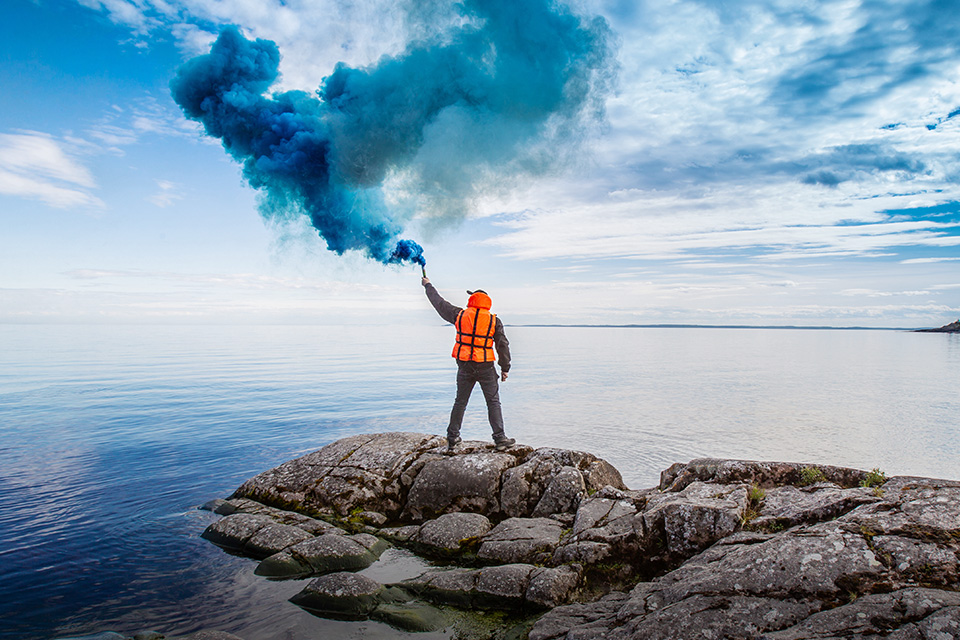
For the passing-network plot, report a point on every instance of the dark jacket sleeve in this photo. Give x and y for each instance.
(503, 347)
(446, 310)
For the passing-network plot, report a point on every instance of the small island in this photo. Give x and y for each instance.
(551, 545)
(953, 327)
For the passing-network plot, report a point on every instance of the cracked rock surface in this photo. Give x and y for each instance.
(721, 549)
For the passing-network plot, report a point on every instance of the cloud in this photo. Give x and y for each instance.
(729, 122)
(927, 260)
(167, 195)
(38, 166)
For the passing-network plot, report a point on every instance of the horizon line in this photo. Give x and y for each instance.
(714, 326)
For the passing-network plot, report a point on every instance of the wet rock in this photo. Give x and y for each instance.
(211, 635)
(103, 635)
(467, 482)
(446, 586)
(323, 554)
(451, 534)
(400, 534)
(515, 540)
(213, 505)
(511, 586)
(313, 526)
(416, 617)
(233, 531)
(272, 539)
(343, 595)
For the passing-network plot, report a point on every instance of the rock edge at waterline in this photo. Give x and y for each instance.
(720, 549)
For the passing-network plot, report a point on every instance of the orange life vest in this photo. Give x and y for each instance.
(475, 328)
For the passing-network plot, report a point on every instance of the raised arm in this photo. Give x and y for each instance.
(446, 310)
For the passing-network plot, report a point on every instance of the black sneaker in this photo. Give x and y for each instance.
(504, 444)
(453, 442)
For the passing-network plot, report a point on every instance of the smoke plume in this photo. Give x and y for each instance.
(502, 93)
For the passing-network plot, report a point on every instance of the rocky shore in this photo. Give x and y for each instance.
(953, 327)
(720, 549)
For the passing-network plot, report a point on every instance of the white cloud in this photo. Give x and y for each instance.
(928, 260)
(723, 111)
(37, 166)
(168, 194)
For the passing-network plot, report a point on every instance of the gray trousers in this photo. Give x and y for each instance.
(468, 374)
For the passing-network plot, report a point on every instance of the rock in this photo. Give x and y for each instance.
(788, 506)
(915, 613)
(503, 586)
(372, 518)
(953, 327)
(211, 635)
(529, 540)
(763, 474)
(563, 494)
(511, 586)
(343, 595)
(696, 517)
(446, 586)
(274, 538)
(551, 587)
(451, 534)
(235, 530)
(103, 635)
(281, 516)
(400, 534)
(323, 554)
(553, 481)
(466, 482)
(415, 617)
(585, 619)
(365, 472)
(721, 549)
(213, 505)
(825, 561)
(148, 635)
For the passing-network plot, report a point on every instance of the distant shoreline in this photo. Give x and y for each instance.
(710, 326)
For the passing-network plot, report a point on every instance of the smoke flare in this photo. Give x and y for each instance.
(445, 116)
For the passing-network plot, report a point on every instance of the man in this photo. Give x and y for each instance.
(478, 331)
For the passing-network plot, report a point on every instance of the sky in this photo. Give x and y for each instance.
(755, 162)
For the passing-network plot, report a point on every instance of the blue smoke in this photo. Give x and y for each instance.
(447, 116)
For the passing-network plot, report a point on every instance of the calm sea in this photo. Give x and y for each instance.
(111, 436)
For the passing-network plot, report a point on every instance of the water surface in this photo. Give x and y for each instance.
(110, 436)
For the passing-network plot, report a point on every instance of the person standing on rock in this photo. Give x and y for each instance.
(478, 332)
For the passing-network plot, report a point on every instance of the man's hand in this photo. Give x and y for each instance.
(424, 280)
(503, 376)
